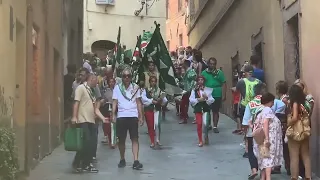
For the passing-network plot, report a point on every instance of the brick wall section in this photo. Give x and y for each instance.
(175, 25)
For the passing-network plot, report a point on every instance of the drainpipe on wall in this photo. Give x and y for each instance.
(28, 138)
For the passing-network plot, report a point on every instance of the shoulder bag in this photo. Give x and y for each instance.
(301, 129)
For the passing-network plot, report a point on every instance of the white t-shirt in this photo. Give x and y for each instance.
(127, 108)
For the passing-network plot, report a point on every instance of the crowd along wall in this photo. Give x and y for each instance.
(232, 31)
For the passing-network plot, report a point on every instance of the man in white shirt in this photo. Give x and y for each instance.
(127, 114)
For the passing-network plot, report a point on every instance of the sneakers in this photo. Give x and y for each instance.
(137, 165)
(215, 130)
(90, 169)
(122, 163)
(77, 169)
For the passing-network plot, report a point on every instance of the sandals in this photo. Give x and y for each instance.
(236, 131)
(252, 176)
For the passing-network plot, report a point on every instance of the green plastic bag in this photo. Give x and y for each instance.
(73, 139)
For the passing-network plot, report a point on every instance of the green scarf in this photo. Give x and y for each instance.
(123, 91)
(213, 72)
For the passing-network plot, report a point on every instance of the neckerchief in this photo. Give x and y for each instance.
(154, 92)
(213, 72)
(90, 92)
(123, 92)
(199, 89)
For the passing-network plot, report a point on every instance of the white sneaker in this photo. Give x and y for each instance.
(300, 178)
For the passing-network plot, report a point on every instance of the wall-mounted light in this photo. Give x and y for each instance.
(147, 3)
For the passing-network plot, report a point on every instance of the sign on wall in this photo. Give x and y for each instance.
(105, 2)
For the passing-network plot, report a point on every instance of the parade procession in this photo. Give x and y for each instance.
(128, 89)
(159, 89)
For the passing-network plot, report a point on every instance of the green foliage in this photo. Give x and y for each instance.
(9, 165)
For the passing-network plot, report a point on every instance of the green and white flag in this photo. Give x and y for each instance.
(117, 51)
(128, 53)
(145, 39)
(157, 52)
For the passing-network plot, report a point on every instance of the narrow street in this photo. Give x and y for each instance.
(179, 159)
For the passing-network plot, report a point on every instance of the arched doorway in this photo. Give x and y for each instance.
(101, 47)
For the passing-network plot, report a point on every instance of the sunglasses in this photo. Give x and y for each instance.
(126, 75)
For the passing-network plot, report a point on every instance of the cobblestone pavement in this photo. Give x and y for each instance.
(180, 158)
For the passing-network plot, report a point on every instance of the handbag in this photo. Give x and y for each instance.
(301, 129)
(264, 151)
(73, 139)
(257, 132)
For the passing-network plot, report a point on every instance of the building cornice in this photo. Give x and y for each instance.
(214, 23)
(197, 15)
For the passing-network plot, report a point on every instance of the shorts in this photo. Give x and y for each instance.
(125, 124)
(216, 105)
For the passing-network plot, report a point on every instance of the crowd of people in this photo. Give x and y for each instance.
(275, 128)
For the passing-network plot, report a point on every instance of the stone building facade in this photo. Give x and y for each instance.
(102, 19)
(282, 32)
(31, 75)
(176, 25)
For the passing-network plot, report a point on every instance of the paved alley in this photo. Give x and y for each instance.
(179, 159)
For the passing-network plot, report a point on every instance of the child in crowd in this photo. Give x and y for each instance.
(201, 99)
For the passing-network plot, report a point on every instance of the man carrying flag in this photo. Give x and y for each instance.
(156, 52)
(157, 59)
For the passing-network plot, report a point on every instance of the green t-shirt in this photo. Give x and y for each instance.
(214, 81)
